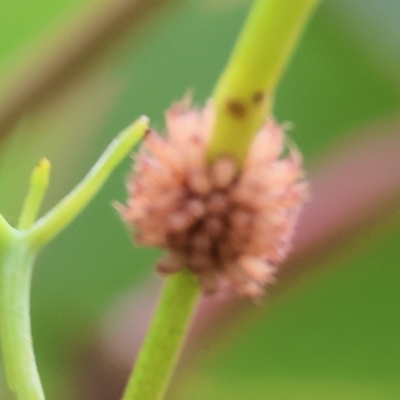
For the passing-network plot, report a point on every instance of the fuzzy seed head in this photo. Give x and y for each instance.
(221, 222)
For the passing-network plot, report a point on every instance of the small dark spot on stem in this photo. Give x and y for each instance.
(236, 108)
(258, 97)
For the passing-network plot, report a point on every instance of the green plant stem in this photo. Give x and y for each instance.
(37, 190)
(18, 249)
(16, 265)
(61, 215)
(162, 346)
(243, 96)
(15, 280)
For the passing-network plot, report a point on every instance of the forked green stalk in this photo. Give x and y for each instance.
(18, 249)
(15, 282)
(46, 228)
(243, 99)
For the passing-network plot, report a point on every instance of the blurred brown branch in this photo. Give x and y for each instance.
(91, 37)
(355, 190)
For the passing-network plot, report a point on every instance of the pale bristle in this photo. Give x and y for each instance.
(198, 182)
(223, 172)
(256, 269)
(251, 289)
(179, 221)
(241, 219)
(196, 208)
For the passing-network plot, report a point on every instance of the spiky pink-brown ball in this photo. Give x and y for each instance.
(220, 222)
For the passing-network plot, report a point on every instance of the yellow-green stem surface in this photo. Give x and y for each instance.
(19, 359)
(244, 95)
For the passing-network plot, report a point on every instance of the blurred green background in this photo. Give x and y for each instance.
(336, 335)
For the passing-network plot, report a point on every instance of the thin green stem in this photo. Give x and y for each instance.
(61, 215)
(19, 360)
(33, 201)
(162, 346)
(244, 94)
(243, 98)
